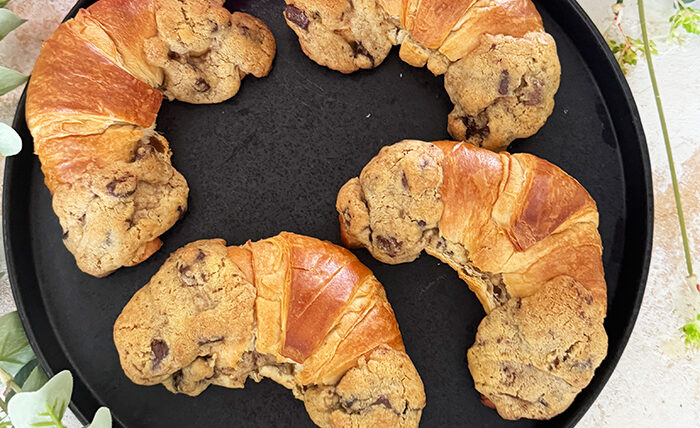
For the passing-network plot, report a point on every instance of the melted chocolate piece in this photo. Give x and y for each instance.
(505, 81)
(297, 16)
(160, 350)
(383, 401)
(203, 342)
(404, 181)
(389, 244)
(201, 85)
(359, 49)
(473, 128)
(115, 189)
(535, 96)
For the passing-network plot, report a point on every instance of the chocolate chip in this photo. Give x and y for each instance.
(181, 210)
(475, 129)
(186, 275)
(389, 244)
(404, 181)
(505, 81)
(297, 16)
(535, 96)
(173, 55)
(200, 256)
(201, 85)
(243, 30)
(177, 379)
(421, 223)
(209, 341)
(160, 351)
(121, 187)
(145, 149)
(543, 402)
(215, 28)
(157, 144)
(518, 303)
(383, 401)
(359, 49)
(349, 403)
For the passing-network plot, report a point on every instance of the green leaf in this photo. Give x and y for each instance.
(10, 145)
(37, 378)
(8, 22)
(15, 351)
(102, 419)
(10, 79)
(45, 407)
(24, 372)
(3, 3)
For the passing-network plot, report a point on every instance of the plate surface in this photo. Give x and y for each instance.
(272, 159)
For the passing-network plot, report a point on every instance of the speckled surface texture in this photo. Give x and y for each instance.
(656, 381)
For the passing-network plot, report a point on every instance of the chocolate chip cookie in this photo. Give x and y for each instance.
(113, 215)
(343, 35)
(503, 90)
(205, 51)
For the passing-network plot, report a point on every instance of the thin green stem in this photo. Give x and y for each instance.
(667, 141)
(3, 406)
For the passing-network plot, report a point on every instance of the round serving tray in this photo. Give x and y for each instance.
(272, 159)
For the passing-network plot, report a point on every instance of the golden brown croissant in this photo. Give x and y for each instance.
(302, 312)
(501, 68)
(91, 107)
(522, 234)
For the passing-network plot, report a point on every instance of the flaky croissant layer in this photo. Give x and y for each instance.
(521, 233)
(302, 312)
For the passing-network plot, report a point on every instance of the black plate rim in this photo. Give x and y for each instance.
(598, 55)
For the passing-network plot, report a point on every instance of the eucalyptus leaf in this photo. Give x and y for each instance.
(24, 372)
(10, 145)
(8, 22)
(44, 407)
(102, 419)
(10, 79)
(37, 378)
(15, 351)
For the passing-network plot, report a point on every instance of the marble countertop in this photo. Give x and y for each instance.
(657, 381)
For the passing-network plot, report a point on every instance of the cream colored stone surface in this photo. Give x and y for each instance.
(657, 382)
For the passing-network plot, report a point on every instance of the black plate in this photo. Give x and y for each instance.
(272, 159)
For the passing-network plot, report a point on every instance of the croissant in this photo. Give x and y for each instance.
(302, 312)
(522, 234)
(91, 107)
(501, 68)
